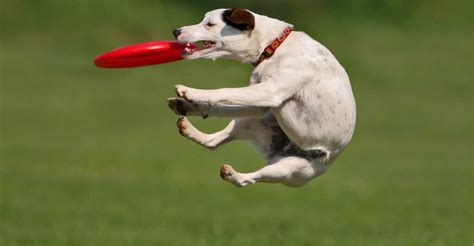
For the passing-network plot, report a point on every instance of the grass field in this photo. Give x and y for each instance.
(92, 157)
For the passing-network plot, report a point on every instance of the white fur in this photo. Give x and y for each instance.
(302, 89)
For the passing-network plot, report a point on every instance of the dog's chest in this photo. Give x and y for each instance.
(255, 78)
(263, 72)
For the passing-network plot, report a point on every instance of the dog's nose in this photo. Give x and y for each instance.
(176, 33)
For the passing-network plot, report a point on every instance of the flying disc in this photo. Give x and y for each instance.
(142, 54)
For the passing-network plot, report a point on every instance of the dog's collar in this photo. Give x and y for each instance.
(270, 49)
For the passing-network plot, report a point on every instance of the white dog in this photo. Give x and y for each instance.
(298, 110)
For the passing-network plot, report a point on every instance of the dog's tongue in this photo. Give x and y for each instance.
(143, 54)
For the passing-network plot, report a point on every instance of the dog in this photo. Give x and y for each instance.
(299, 110)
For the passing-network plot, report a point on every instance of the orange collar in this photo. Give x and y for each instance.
(270, 49)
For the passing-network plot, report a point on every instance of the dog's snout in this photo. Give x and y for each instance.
(177, 32)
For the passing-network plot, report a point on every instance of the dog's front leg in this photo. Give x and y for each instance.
(185, 108)
(266, 94)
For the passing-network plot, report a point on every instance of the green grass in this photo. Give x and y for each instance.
(92, 157)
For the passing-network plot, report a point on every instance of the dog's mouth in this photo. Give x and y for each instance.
(197, 47)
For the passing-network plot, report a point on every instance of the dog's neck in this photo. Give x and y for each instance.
(270, 50)
(266, 31)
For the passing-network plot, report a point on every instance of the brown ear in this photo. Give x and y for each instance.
(239, 18)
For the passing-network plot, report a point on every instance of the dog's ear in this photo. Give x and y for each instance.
(239, 18)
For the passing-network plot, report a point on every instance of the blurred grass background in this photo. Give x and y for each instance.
(92, 156)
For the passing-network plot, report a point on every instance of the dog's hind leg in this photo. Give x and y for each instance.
(210, 141)
(291, 171)
(240, 128)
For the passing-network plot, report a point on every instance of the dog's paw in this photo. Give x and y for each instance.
(185, 108)
(183, 125)
(182, 91)
(226, 172)
(179, 106)
(194, 96)
(229, 174)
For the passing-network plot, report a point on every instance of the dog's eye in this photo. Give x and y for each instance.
(209, 24)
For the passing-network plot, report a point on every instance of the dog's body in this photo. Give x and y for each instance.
(298, 110)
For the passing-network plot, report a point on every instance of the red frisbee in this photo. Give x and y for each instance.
(142, 54)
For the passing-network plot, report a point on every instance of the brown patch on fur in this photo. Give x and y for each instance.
(299, 105)
(239, 18)
(297, 100)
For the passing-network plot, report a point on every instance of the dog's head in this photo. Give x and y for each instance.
(222, 33)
